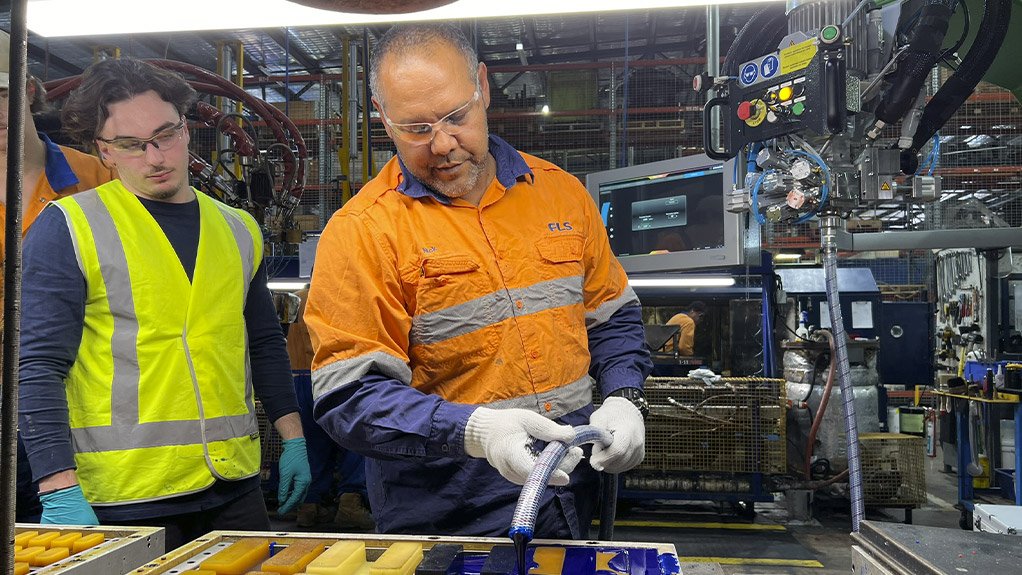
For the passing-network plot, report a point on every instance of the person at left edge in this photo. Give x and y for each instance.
(49, 171)
(148, 328)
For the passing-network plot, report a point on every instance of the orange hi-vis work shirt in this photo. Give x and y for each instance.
(478, 305)
(67, 172)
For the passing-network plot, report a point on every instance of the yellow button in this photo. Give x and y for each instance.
(785, 93)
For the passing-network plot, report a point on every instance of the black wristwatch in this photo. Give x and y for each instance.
(634, 395)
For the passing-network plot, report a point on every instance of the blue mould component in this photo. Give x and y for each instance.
(577, 561)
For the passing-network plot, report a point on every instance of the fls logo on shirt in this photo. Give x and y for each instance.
(559, 226)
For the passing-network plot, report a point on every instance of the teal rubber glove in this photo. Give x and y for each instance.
(67, 507)
(295, 476)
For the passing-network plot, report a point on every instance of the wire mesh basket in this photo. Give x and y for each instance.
(735, 425)
(893, 470)
(270, 443)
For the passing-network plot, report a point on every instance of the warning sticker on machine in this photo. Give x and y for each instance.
(797, 57)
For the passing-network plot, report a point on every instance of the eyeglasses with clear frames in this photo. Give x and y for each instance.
(422, 133)
(136, 147)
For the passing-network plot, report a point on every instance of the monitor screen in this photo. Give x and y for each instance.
(669, 215)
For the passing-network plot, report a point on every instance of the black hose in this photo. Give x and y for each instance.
(760, 35)
(915, 62)
(608, 505)
(989, 38)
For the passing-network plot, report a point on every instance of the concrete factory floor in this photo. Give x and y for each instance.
(769, 544)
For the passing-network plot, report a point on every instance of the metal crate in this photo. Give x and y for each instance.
(123, 549)
(186, 559)
(735, 425)
(893, 470)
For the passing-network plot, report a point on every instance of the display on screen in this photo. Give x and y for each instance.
(664, 213)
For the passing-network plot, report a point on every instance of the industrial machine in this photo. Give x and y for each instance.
(823, 107)
(266, 181)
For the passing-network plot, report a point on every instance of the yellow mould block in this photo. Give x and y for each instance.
(341, 558)
(23, 537)
(400, 558)
(21, 569)
(240, 557)
(27, 554)
(43, 539)
(66, 540)
(294, 559)
(50, 556)
(87, 541)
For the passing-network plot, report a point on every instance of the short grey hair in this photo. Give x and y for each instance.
(406, 38)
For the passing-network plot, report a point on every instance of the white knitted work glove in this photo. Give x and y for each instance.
(620, 417)
(505, 438)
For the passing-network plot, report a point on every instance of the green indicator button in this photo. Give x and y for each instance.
(829, 33)
(797, 108)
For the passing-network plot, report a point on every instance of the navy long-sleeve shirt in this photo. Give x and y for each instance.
(52, 320)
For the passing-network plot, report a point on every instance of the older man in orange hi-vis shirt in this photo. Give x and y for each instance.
(463, 305)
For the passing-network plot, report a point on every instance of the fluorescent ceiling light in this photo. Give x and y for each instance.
(787, 257)
(80, 18)
(287, 285)
(682, 282)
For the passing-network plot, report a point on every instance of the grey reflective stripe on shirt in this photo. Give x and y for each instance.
(493, 308)
(125, 431)
(342, 373)
(608, 308)
(562, 400)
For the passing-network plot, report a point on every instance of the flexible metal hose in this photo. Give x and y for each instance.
(523, 523)
(829, 226)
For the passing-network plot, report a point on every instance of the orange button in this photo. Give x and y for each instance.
(547, 406)
(533, 354)
(519, 304)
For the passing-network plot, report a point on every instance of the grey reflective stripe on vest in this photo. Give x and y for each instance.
(125, 431)
(493, 308)
(562, 400)
(244, 240)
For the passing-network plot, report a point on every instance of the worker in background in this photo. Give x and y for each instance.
(687, 321)
(147, 328)
(463, 304)
(325, 456)
(48, 172)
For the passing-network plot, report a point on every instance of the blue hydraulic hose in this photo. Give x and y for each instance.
(523, 523)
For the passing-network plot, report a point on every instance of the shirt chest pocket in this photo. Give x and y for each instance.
(448, 281)
(560, 256)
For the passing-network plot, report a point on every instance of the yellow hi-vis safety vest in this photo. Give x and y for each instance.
(160, 396)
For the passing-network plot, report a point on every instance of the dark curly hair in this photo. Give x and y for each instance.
(110, 81)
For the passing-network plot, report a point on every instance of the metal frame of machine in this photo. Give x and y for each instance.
(124, 549)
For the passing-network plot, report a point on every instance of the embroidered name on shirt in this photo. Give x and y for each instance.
(559, 226)
(429, 250)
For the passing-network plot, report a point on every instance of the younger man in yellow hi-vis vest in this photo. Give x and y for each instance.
(148, 331)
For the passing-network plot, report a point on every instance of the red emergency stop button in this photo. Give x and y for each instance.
(744, 111)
